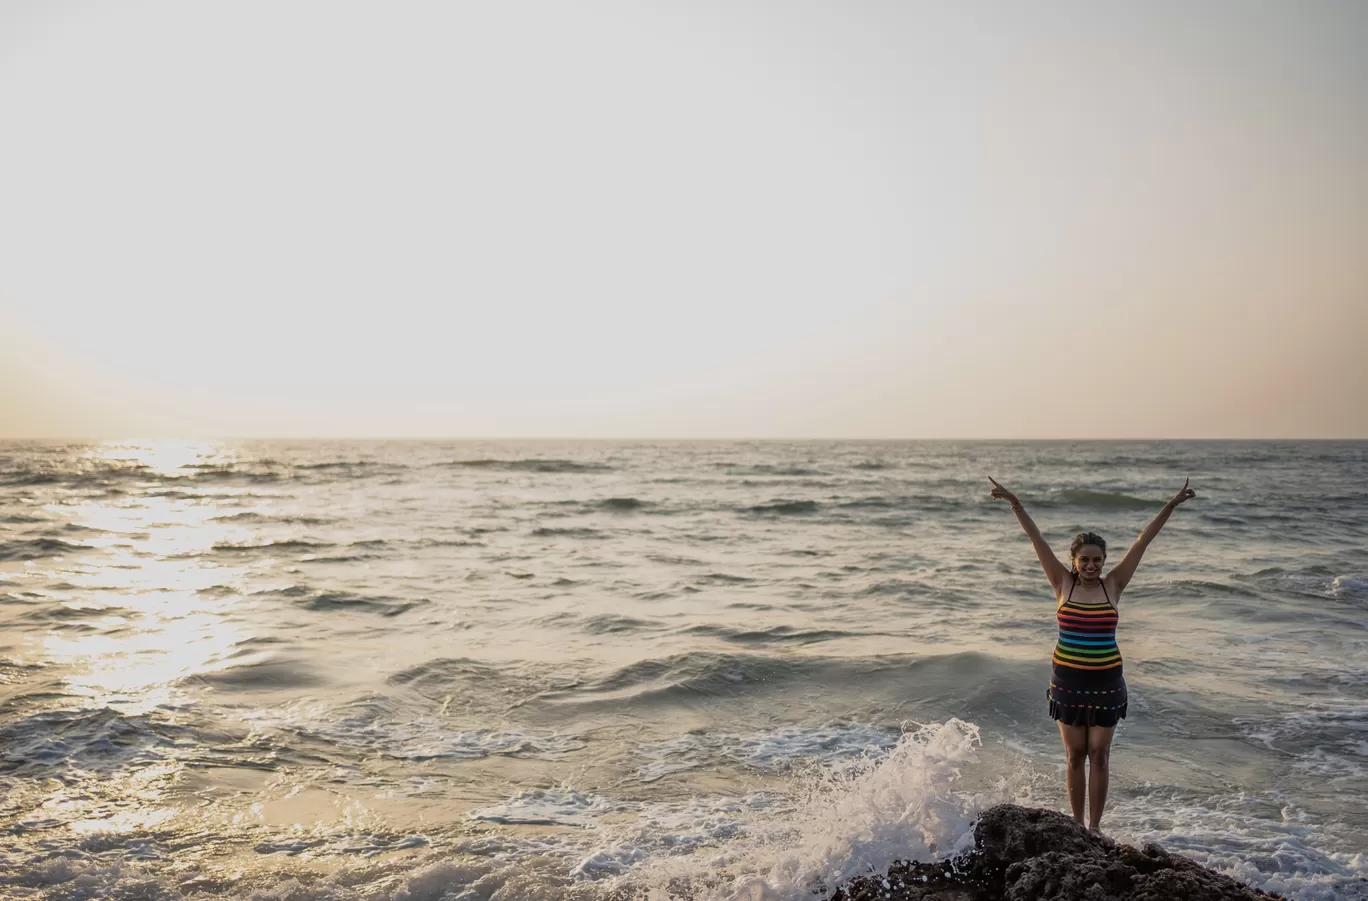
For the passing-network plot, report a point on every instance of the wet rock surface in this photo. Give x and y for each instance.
(1028, 854)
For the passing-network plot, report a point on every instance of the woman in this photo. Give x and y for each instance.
(1087, 693)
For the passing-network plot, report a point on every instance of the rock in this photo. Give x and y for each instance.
(1008, 834)
(1027, 854)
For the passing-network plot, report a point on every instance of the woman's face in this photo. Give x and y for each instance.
(1089, 561)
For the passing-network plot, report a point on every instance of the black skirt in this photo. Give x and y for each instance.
(1101, 705)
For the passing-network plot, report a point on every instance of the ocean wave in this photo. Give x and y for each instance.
(257, 670)
(385, 544)
(674, 560)
(1199, 588)
(691, 676)
(253, 516)
(24, 479)
(217, 472)
(569, 532)
(292, 544)
(774, 678)
(534, 464)
(325, 601)
(37, 548)
(21, 519)
(340, 600)
(1313, 582)
(88, 740)
(608, 623)
(178, 494)
(770, 469)
(448, 671)
(348, 466)
(450, 542)
(785, 508)
(870, 503)
(775, 635)
(268, 463)
(485, 689)
(724, 579)
(920, 503)
(342, 558)
(219, 591)
(65, 616)
(621, 504)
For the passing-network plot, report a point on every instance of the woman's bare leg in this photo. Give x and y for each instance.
(1075, 756)
(1099, 757)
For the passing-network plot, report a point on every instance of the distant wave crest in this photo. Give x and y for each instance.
(36, 548)
(621, 503)
(785, 507)
(535, 464)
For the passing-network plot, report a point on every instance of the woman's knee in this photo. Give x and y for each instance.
(1076, 756)
(1099, 756)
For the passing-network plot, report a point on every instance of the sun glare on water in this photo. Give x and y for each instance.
(142, 609)
(161, 625)
(163, 458)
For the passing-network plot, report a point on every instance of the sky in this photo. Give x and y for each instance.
(694, 219)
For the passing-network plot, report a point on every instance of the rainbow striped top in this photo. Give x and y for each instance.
(1087, 635)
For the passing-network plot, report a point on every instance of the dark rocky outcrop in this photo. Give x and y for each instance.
(1026, 854)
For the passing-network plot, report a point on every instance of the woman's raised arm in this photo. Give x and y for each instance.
(1055, 571)
(1122, 572)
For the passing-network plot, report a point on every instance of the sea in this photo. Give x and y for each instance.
(742, 670)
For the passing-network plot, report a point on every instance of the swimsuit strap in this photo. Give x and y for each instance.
(1099, 581)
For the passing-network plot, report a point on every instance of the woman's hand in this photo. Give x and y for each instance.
(1003, 494)
(1184, 494)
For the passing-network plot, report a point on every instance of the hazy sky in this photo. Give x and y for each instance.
(778, 219)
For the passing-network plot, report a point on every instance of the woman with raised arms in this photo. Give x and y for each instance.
(1087, 692)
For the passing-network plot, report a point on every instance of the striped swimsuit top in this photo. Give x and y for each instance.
(1087, 634)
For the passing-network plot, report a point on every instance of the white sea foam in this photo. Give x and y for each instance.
(857, 816)
(1258, 838)
(1354, 587)
(847, 818)
(853, 816)
(550, 807)
(769, 750)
